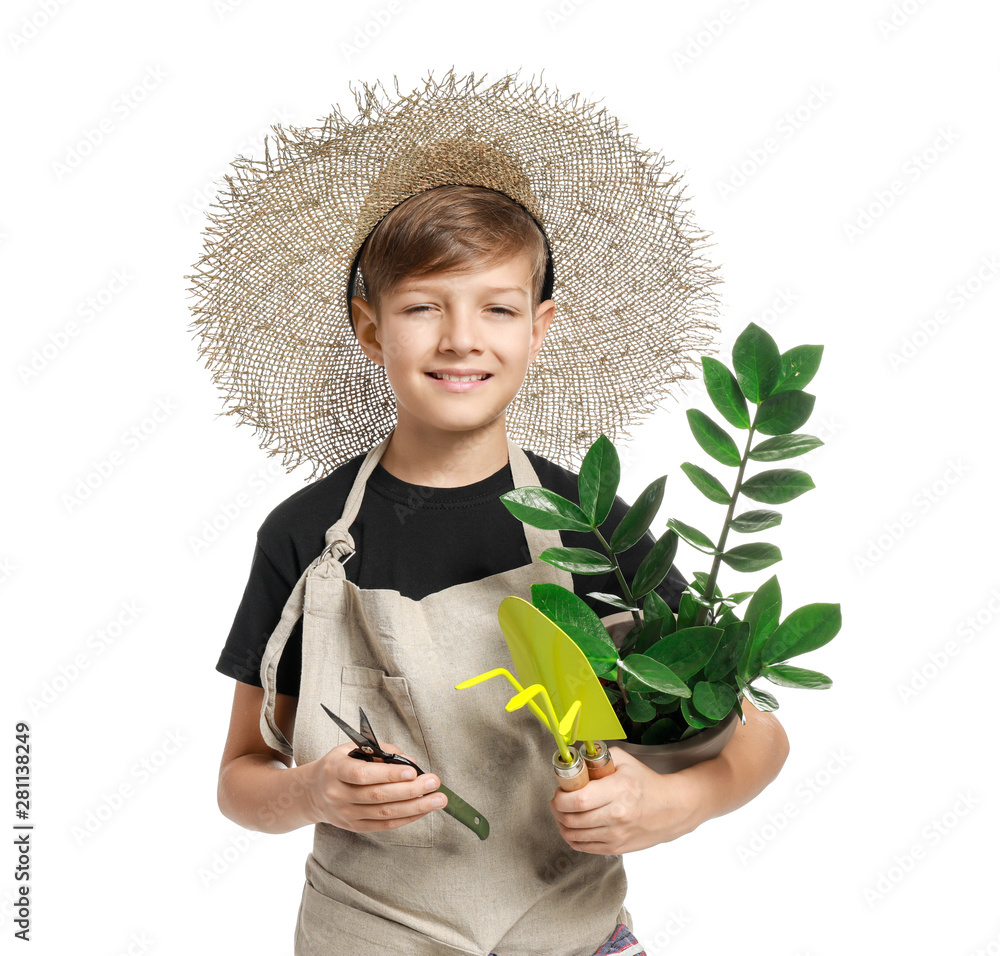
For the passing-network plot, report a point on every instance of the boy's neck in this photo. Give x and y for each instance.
(446, 459)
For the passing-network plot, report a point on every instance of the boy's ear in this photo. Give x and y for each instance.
(366, 329)
(544, 315)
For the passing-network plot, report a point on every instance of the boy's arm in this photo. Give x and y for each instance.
(747, 764)
(258, 787)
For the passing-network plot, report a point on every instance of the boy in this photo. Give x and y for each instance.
(397, 562)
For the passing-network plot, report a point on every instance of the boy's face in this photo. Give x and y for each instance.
(461, 323)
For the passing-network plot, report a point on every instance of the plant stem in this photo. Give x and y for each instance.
(627, 594)
(626, 590)
(721, 546)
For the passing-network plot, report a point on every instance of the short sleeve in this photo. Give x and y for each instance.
(257, 616)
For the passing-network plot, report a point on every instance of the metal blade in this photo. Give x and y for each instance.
(350, 731)
(366, 729)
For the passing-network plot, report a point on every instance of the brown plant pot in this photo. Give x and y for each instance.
(669, 758)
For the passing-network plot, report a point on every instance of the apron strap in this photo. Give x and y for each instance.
(339, 542)
(290, 614)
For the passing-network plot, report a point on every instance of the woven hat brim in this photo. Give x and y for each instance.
(634, 293)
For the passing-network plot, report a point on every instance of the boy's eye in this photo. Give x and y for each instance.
(496, 308)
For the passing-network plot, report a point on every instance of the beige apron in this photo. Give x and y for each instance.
(432, 887)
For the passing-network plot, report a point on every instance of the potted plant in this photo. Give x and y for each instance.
(676, 680)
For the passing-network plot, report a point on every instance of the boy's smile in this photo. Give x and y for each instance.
(456, 347)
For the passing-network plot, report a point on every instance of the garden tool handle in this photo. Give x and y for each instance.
(465, 813)
(570, 776)
(600, 764)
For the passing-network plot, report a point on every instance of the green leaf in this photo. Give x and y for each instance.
(603, 662)
(542, 508)
(762, 615)
(714, 440)
(686, 651)
(737, 598)
(701, 579)
(693, 536)
(757, 363)
(752, 557)
(751, 521)
(725, 393)
(639, 517)
(577, 560)
(784, 413)
(598, 480)
(654, 567)
(611, 599)
(654, 606)
(640, 710)
(650, 632)
(687, 610)
(729, 651)
(663, 731)
(565, 607)
(695, 719)
(776, 486)
(713, 698)
(707, 484)
(761, 699)
(650, 672)
(805, 629)
(784, 446)
(787, 675)
(798, 366)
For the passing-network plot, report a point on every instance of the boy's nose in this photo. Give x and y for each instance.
(459, 331)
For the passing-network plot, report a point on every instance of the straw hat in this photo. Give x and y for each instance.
(634, 297)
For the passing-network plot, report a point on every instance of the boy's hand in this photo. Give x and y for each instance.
(632, 809)
(357, 795)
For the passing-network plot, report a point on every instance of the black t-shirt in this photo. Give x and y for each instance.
(413, 539)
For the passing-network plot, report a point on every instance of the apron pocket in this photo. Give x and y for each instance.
(387, 704)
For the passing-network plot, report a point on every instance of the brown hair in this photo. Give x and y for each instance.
(446, 228)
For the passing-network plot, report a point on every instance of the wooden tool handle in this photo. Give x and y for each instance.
(570, 776)
(601, 764)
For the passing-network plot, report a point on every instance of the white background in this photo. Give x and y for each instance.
(879, 835)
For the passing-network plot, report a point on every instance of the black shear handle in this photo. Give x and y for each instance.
(383, 757)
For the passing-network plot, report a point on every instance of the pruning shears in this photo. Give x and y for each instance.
(368, 749)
